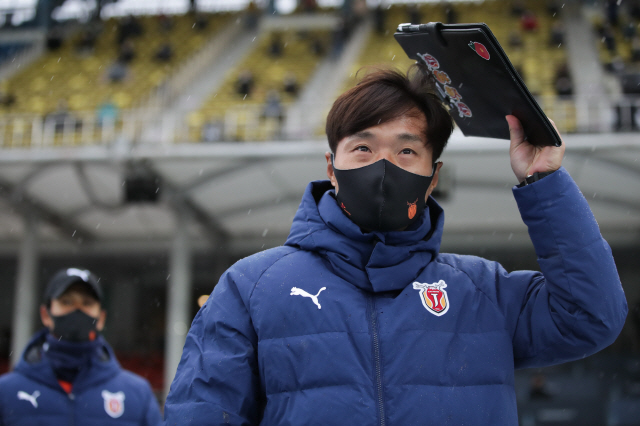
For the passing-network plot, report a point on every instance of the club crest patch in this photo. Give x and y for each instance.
(113, 403)
(434, 297)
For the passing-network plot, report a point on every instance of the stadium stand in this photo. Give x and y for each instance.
(252, 100)
(85, 78)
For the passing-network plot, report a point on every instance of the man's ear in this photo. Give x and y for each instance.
(101, 320)
(330, 174)
(434, 181)
(46, 319)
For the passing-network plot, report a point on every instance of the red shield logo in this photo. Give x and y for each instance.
(434, 297)
(463, 109)
(113, 403)
(431, 62)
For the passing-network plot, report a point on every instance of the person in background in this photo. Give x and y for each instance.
(68, 374)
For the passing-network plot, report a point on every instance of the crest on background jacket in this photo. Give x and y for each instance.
(113, 403)
(434, 297)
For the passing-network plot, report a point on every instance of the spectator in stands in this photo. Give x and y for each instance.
(451, 16)
(635, 49)
(68, 373)
(117, 72)
(60, 116)
(290, 84)
(634, 9)
(274, 112)
(107, 112)
(612, 12)
(379, 19)
(213, 130)
(556, 36)
(273, 107)
(244, 83)
(276, 46)
(553, 7)
(130, 27)
(317, 47)
(563, 82)
(529, 21)
(517, 8)
(54, 38)
(609, 38)
(359, 318)
(86, 42)
(7, 98)
(308, 6)
(165, 23)
(202, 22)
(629, 30)
(252, 16)
(127, 52)
(164, 52)
(338, 38)
(413, 12)
(515, 39)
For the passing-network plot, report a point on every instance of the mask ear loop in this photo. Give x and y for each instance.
(433, 170)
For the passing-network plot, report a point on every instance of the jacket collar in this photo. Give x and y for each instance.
(35, 365)
(372, 261)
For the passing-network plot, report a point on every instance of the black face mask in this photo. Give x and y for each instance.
(75, 327)
(382, 196)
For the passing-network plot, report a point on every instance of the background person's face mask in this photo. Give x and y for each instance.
(75, 326)
(381, 196)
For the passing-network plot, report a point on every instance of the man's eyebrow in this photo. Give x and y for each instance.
(361, 135)
(410, 137)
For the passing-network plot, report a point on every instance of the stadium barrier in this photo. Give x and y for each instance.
(248, 123)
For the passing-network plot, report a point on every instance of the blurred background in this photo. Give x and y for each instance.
(156, 142)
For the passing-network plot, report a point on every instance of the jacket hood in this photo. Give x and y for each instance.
(373, 261)
(35, 365)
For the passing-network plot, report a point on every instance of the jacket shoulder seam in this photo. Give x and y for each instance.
(495, 305)
(255, 284)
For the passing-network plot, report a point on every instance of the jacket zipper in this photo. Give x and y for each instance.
(376, 360)
(72, 401)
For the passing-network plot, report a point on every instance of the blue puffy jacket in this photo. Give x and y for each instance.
(102, 395)
(341, 327)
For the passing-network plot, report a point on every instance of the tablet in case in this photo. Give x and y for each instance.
(475, 78)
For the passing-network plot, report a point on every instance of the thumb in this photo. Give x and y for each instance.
(516, 131)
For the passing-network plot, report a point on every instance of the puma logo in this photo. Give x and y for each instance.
(31, 398)
(295, 291)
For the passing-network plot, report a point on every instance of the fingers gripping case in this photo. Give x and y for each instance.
(475, 78)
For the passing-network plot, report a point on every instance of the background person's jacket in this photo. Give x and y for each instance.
(367, 348)
(102, 395)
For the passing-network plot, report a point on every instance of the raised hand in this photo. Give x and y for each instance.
(526, 159)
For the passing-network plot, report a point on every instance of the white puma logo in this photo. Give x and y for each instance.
(295, 291)
(31, 398)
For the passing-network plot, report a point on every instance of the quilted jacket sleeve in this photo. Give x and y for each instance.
(576, 307)
(217, 381)
(152, 416)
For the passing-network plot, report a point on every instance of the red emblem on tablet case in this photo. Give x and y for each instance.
(480, 50)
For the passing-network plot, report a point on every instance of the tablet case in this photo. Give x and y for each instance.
(474, 76)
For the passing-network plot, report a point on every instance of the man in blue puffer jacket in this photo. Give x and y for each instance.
(68, 374)
(359, 320)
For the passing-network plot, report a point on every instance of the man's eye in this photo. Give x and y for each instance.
(362, 148)
(407, 151)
